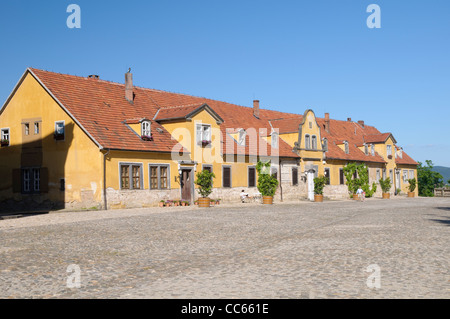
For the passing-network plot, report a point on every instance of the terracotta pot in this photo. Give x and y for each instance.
(204, 202)
(386, 195)
(161, 204)
(355, 197)
(411, 194)
(318, 198)
(268, 200)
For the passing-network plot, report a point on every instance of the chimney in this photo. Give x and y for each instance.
(94, 76)
(256, 109)
(327, 122)
(349, 119)
(361, 123)
(129, 95)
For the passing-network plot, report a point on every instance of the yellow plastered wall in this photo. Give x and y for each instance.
(76, 159)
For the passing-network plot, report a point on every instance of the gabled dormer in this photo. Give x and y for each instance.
(141, 127)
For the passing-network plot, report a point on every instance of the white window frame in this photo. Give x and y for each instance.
(389, 150)
(241, 137)
(405, 175)
(6, 136)
(275, 140)
(64, 128)
(26, 128)
(346, 147)
(411, 174)
(372, 150)
(201, 137)
(146, 128)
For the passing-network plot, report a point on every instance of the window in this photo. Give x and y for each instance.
(146, 129)
(347, 150)
(314, 142)
(372, 150)
(378, 175)
(130, 176)
(5, 137)
(341, 177)
(251, 177)
(384, 173)
(274, 172)
(36, 128)
(274, 140)
(389, 151)
(307, 141)
(411, 174)
(159, 176)
(31, 180)
(325, 145)
(327, 175)
(203, 134)
(242, 135)
(59, 130)
(391, 175)
(294, 176)
(405, 175)
(27, 129)
(366, 149)
(226, 176)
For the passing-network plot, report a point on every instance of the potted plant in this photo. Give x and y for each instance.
(267, 183)
(385, 187)
(162, 203)
(319, 184)
(176, 203)
(204, 143)
(218, 201)
(204, 182)
(212, 202)
(147, 138)
(412, 187)
(4, 142)
(169, 203)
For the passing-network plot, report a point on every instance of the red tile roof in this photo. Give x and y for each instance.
(101, 109)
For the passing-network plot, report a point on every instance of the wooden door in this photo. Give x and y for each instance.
(186, 185)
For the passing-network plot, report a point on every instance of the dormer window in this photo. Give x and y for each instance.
(372, 149)
(241, 138)
(325, 145)
(203, 134)
(347, 150)
(146, 131)
(275, 140)
(366, 149)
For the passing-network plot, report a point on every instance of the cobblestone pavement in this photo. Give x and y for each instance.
(288, 250)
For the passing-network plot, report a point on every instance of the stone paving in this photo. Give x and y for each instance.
(288, 250)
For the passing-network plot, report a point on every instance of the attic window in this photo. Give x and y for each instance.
(146, 130)
(275, 140)
(366, 149)
(372, 149)
(347, 150)
(325, 145)
(242, 135)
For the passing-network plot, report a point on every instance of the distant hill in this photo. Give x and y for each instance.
(444, 171)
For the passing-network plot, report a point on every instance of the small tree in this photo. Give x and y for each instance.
(267, 183)
(319, 184)
(412, 184)
(204, 182)
(385, 185)
(428, 179)
(362, 179)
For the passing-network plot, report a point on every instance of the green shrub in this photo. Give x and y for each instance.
(204, 182)
(319, 184)
(385, 185)
(267, 183)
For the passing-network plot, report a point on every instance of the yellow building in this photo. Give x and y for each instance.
(75, 142)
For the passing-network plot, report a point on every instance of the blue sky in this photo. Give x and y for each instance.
(291, 55)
